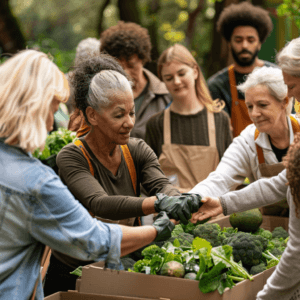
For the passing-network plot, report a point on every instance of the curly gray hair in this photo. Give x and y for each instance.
(87, 48)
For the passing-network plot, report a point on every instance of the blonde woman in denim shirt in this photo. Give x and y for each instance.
(36, 208)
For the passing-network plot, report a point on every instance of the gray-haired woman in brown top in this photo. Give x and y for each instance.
(105, 168)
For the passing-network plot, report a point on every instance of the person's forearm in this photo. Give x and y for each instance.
(262, 192)
(148, 205)
(136, 237)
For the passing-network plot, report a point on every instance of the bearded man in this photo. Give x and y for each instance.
(245, 27)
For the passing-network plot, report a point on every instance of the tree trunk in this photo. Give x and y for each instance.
(192, 22)
(100, 20)
(11, 37)
(219, 57)
(153, 10)
(129, 11)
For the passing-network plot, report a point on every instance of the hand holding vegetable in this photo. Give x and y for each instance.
(178, 207)
(164, 227)
(211, 207)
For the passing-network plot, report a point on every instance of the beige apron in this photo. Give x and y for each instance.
(189, 163)
(280, 208)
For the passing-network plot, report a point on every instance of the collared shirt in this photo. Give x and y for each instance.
(37, 209)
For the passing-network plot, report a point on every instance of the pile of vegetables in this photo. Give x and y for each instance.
(55, 142)
(216, 258)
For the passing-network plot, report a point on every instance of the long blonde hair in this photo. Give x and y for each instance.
(29, 83)
(181, 54)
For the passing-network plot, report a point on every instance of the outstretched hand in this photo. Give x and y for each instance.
(211, 207)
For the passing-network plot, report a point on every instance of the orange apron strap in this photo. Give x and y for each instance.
(84, 128)
(130, 165)
(260, 154)
(79, 144)
(167, 126)
(132, 171)
(232, 83)
(295, 125)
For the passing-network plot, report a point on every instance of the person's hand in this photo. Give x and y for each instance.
(179, 208)
(211, 207)
(163, 226)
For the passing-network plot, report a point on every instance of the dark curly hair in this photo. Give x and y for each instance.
(82, 74)
(126, 39)
(244, 14)
(292, 163)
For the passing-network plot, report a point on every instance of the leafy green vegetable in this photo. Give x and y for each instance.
(55, 142)
(224, 254)
(77, 271)
(211, 280)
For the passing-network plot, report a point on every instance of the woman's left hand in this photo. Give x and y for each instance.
(211, 207)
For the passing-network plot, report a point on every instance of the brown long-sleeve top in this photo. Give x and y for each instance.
(106, 195)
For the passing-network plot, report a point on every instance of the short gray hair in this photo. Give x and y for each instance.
(102, 87)
(87, 48)
(289, 58)
(271, 78)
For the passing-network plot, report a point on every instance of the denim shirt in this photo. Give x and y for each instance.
(37, 209)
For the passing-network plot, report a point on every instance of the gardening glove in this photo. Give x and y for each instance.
(178, 207)
(163, 226)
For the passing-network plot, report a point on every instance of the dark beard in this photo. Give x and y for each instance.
(244, 62)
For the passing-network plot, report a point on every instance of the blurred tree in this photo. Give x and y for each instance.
(218, 57)
(129, 11)
(11, 37)
(101, 16)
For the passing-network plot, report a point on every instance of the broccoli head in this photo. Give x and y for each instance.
(210, 232)
(279, 232)
(247, 248)
(277, 251)
(258, 269)
(152, 250)
(185, 239)
(276, 243)
(264, 233)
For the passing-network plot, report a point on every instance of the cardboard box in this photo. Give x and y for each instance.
(74, 295)
(96, 279)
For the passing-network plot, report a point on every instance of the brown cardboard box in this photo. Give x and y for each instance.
(98, 280)
(74, 295)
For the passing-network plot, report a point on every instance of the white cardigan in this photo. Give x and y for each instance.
(284, 283)
(239, 161)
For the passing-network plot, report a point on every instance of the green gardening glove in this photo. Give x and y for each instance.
(163, 226)
(179, 208)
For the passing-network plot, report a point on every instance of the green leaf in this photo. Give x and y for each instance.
(202, 267)
(225, 282)
(77, 271)
(199, 243)
(176, 243)
(224, 254)
(211, 281)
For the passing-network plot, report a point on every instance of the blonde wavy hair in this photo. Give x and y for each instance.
(181, 54)
(29, 83)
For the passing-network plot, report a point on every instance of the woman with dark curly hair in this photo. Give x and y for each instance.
(284, 283)
(131, 45)
(105, 168)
